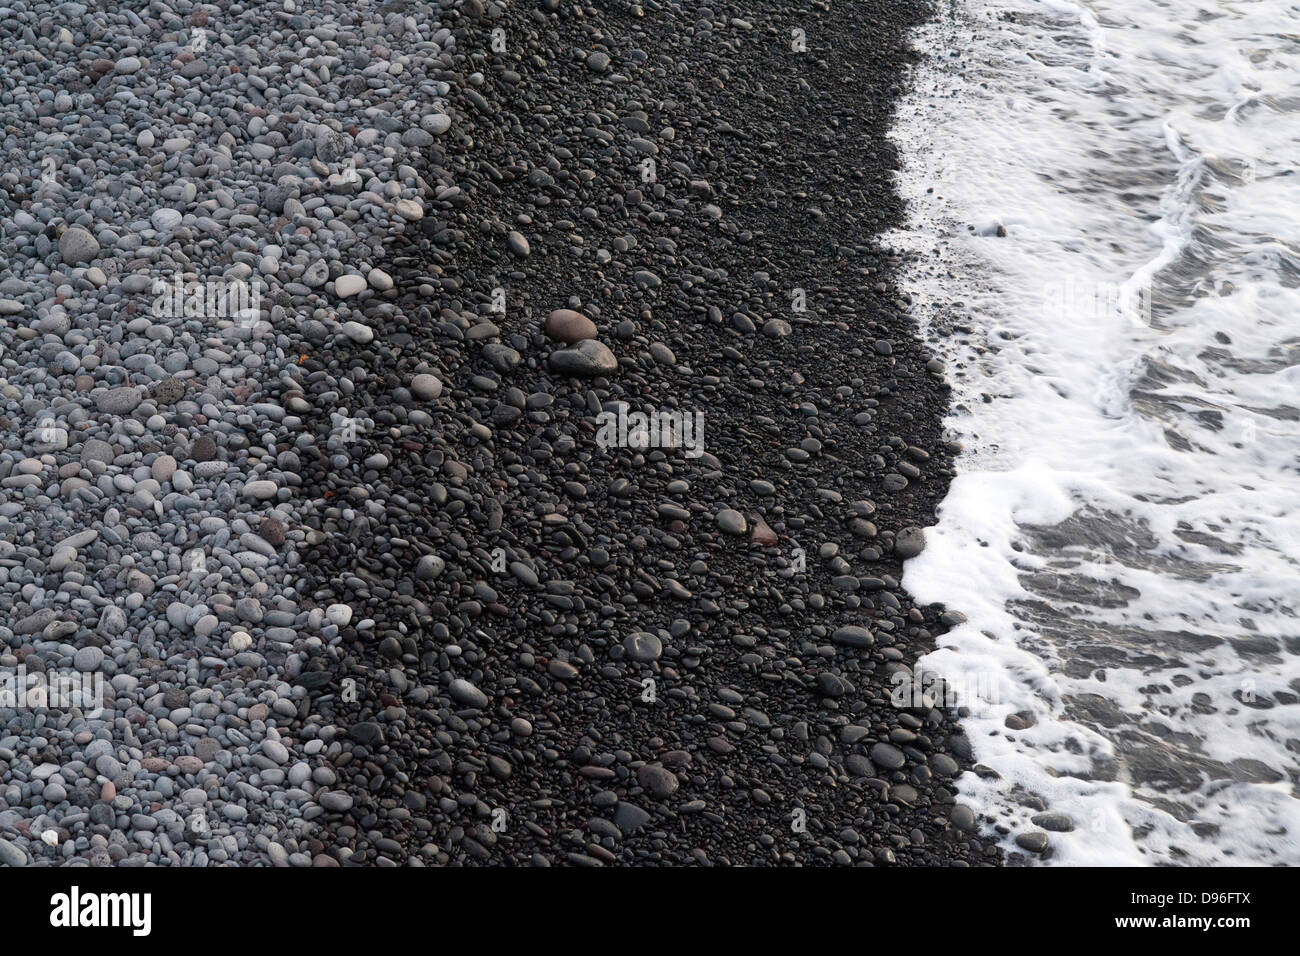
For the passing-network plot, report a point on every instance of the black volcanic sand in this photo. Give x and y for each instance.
(771, 738)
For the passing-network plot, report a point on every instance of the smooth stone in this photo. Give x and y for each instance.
(963, 818)
(853, 636)
(261, 490)
(887, 756)
(163, 467)
(569, 327)
(349, 285)
(340, 615)
(165, 220)
(1034, 841)
(336, 801)
(643, 647)
(909, 543)
(659, 781)
(359, 333)
(588, 358)
(409, 209)
(1056, 822)
(467, 695)
(11, 855)
(87, 659)
(119, 401)
(426, 387)
(629, 818)
(429, 567)
(731, 521)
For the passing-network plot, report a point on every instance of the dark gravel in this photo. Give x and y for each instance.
(502, 710)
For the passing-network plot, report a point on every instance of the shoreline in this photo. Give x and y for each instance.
(501, 713)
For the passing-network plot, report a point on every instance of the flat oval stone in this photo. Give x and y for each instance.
(467, 695)
(568, 326)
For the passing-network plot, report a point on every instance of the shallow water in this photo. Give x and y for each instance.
(1104, 196)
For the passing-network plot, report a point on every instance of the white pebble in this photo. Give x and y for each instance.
(349, 285)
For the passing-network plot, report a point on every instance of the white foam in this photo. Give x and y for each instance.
(1138, 160)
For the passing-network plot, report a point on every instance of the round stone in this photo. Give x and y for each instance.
(853, 636)
(349, 285)
(731, 521)
(1035, 841)
(87, 659)
(165, 220)
(163, 467)
(203, 449)
(887, 756)
(426, 387)
(568, 326)
(657, 780)
(643, 647)
(909, 543)
(261, 490)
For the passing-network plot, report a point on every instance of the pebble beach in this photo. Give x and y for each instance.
(465, 433)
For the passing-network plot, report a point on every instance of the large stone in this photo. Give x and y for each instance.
(11, 855)
(467, 695)
(1034, 841)
(96, 449)
(1056, 822)
(853, 636)
(762, 534)
(349, 285)
(77, 246)
(426, 387)
(909, 543)
(643, 647)
(887, 756)
(731, 521)
(589, 358)
(88, 659)
(261, 490)
(629, 818)
(657, 780)
(119, 401)
(567, 326)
